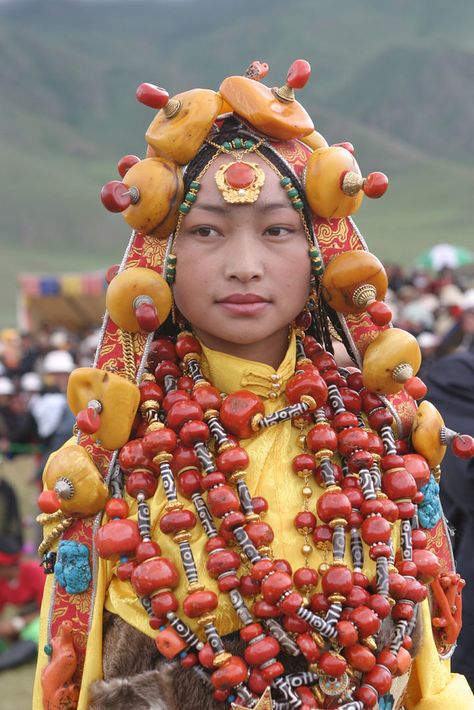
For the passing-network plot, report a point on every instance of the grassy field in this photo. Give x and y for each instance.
(17, 685)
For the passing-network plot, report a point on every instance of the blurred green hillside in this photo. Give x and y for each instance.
(394, 78)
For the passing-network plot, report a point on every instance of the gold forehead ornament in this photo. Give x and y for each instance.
(240, 182)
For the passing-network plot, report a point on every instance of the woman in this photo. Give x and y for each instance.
(224, 565)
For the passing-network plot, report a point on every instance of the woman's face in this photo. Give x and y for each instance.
(243, 270)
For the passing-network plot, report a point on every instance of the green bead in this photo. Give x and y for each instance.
(249, 144)
(226, 145)
(184, 208)
(48, 649)
(285, 181)
(172, 260)
(298, 205)
(190, 197)
(237, 143)
(195, 185)
(292, 193)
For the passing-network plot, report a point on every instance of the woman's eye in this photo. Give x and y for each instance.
(204, 231)
(277, 231)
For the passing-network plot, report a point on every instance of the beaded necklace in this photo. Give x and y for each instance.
(335, 629)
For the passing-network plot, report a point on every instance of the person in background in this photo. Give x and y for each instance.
(21, 587)
(51, 412)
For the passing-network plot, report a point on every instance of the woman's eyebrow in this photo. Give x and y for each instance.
(225, 208)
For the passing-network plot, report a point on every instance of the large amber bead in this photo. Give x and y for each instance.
(119, 399)
(391, 348)
(180, 137)
(425, 433)
(324, 174)
(160, 192)
(346, 274)
(129, 285)
(85, 491)
(259, 106)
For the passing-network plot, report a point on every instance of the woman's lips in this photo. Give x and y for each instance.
(243, 303)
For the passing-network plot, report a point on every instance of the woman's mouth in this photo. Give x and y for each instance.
(244, 304)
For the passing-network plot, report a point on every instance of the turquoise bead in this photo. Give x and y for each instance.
(184, 208)
(285, 181)
(48, 649)
(237, 143)
(298, 205)
(292, 193)
(190, 197)
(249, 144)
(195, 185)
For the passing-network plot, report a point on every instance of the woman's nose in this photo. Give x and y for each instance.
(244, 258)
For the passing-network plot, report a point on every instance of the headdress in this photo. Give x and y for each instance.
(325, 185)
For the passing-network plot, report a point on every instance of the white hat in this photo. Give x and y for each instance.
(467, 302)
(450, 295)
(30, 382)
(58, 361)
(6, 386)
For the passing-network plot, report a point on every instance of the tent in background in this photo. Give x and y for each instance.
(75, 301)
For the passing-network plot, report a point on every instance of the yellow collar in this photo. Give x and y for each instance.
(229, 373)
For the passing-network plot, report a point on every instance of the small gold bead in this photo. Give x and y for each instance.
(195, 587)
(307, 492)
(221, 659)
(306, 549)
(302, 441)
(272, 395)
(323, 567)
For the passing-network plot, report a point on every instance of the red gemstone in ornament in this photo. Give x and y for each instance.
(427, 563)
(249, 587)
(115, 196)
(291, 603)
(337, 580)
(152, 95)
(346, 633)
(238, 410)
(206, 656)
(221, 500)
(418, 467)
(375, 529)
(198, 603)
(239, 175)
(332, 665)
(262, 651)
(162, 349)
(380, 605)
(124, 570)
(116, 508)
(88, 420)
(319, 603)
(298, 74)
(388, 659)
(264, 610)
(274, 586)
(207, 397)
(260, 533)
(184, 411)
(366, 621)
(307, 383)
(366, 695)
(321, 437)
(147, 549)
(351, 439)
(379, 678)
(231, 674)
(415, 387)
(379, 313)
(176, 520)
(305, 521)
(360, 657)
(190, 482)
(232, 520)
(379, 418)
(132, 456)
(375, 185)
(125, 163)
(295, 625)
(260, 505)
(173, 397)
(159, 440)
(163, 603)
(184, 457)
(147, 317)
(116, 538)
(111, 272)
(230, 460)
(305, 577)
(48, 502)
(419, 539)
(141, 482)
(463, 446)
(154, 574)
(166, 367)
(261, 569)
(169, 643)
(358, 596)
(150, 390)
(193, 432)
(222, 561)
(333, 504)
(308, 647)
(187, 344)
